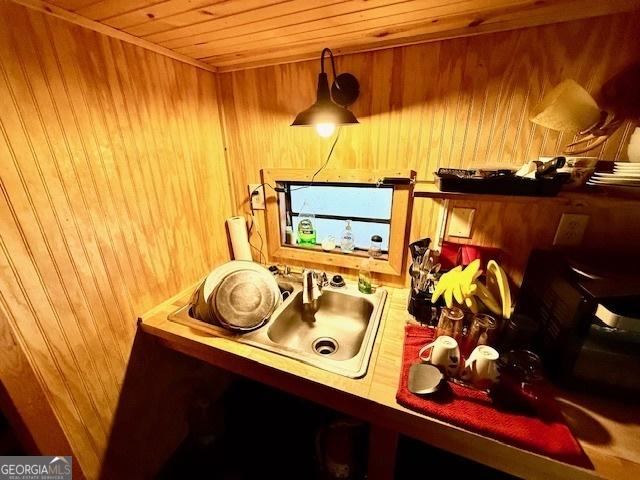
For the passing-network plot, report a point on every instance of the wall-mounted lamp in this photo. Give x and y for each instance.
(330, 107)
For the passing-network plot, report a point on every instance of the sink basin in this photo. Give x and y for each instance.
(337, 335)
(335, 329)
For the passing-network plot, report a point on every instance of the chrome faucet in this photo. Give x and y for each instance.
(312, 284)
(312, 281)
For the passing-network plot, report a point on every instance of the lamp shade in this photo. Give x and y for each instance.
(566, 108)
(324, 110)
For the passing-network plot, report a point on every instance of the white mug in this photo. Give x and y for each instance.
(445, 354)
(481, 367)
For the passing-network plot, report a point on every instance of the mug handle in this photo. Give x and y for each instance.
(468, 368)
(423, 349)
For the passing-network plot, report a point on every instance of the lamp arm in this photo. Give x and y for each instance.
(333, 65)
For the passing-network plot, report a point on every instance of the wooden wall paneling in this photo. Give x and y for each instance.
(35, 423)
(519, 227)
(114, 194)
(459, 103)
(113, 114)
(54, 10)
(32, 208)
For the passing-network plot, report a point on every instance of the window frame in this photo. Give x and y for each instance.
(402, 201)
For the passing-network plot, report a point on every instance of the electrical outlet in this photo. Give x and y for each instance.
(571, 229)
(460, 222)
(256, 195)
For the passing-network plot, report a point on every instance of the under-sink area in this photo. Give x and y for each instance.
(336, 335)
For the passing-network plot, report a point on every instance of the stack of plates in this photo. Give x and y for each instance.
(624, 175)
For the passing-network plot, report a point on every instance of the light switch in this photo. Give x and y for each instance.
(460, 222)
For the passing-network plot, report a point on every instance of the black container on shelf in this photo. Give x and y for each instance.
(501, 184)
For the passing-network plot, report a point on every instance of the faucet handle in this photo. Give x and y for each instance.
(322, 279)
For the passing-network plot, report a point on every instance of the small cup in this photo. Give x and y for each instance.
(445, 354)
(481, 367)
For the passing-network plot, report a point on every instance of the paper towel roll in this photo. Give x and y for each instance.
(239, 240)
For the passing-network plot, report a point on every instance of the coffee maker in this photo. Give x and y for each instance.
(588, 312)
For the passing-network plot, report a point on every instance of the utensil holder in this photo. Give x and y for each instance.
(422, 309)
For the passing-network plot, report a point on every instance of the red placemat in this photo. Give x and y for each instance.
(473, 410)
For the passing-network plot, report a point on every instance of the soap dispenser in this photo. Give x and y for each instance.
(347, 243)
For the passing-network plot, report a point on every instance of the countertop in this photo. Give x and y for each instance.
(608, 430)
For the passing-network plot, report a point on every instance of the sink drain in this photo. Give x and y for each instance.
(325, 346)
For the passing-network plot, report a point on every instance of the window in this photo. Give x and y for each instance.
(367, 207)
(335, 197)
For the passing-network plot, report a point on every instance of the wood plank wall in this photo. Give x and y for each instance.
(455, 103)
(113, 195)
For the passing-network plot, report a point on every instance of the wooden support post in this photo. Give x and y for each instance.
(383, 443)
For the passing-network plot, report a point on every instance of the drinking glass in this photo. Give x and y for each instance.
(481, 332)
(451, 323)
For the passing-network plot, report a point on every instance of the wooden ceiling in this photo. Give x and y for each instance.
(235, 34)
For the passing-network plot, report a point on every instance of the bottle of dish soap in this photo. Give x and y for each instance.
(347, 243)
(306, 230)
(364, 276)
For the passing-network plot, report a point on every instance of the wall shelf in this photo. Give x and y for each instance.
(578, 198)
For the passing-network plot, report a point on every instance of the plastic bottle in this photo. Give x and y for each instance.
(364, 272)
(288, 235)
(306, 231)
(364, 276)
(347, 243)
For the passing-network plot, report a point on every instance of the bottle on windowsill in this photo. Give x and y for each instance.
(306, 230)
(347, 242)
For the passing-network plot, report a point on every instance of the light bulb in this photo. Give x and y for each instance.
(325, 129)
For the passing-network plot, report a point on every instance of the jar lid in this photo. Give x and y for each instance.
(376, 238)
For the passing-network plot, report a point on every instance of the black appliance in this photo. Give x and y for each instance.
(588, 311)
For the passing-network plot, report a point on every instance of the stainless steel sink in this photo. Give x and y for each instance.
(340, 320)
(336, 336)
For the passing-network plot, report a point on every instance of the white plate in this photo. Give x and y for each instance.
(631, 176)
(615, 179)
(629, 183)
(617, 188)
(626, 166)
